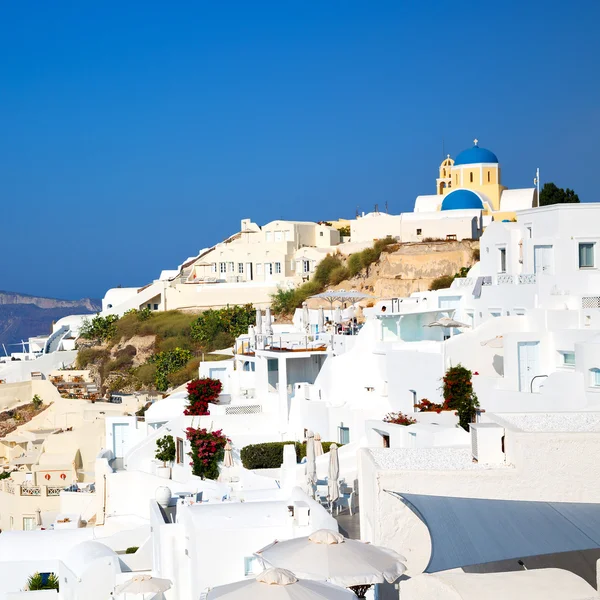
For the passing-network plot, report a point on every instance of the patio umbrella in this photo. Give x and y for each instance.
(279, 584)
(311, 466)
(144, 584)
(258, 327)
(446, 322)
(321, 321)
(305, 318)
(268, 322)
(228, 458)
(337, 317)
(328, 556)
(333, 484)
(318, 445)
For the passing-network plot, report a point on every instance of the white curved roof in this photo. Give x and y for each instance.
(82, 556)
(512, 200)
(428, 203)
(41, 545)
(167, 409)
(542, 584)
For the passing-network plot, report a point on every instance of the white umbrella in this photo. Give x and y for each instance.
(446, 322)
(311, 465)
(228, 458)
(279, 584)
(329, 556)
(318, 445)
(321, 320)
(337, 317)
(305, 317)
(268, 322)
(258, 327)
(333, 484)
(144, 584)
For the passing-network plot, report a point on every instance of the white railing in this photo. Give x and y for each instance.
(590, 302)
(31, 490)
(527, 278)
(505, 279)
(53, 491)
(460, 282)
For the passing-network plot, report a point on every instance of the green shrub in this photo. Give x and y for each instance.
(187, 373)
(283, 301)
(368, 256)
(323, 271)
(99, 328)
(146, 374)
(232, 320)
(168, 362)
(355, 264)
(476, 254)
(37, 402)
(5, 475)
(87, 356)
(344, 231)
(442, 282)
(270, 454)
(132, 549)
(37, 582)
(338, 275)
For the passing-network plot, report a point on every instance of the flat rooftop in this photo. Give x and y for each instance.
(428, 459)
(567, 422)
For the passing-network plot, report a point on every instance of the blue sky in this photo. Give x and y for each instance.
(132, 134)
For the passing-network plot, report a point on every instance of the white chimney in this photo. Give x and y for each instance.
(487, 443)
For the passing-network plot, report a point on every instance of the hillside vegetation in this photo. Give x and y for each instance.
(386, 270)
(148, 350)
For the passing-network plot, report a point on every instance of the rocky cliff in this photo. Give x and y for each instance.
(23, 316)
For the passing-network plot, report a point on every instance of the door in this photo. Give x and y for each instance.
(219, 373)
(543, 259)
(529, 354)
(249, 271)
(120, 431)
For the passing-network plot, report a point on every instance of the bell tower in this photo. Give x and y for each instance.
(444, 181)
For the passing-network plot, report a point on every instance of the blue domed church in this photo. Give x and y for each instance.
(472, 181)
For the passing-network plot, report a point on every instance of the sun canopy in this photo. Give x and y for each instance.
(472, 531)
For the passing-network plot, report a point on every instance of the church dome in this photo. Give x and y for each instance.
(462, 200)
(475, 155)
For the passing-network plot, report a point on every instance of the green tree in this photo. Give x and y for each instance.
(165, 449)
(99, 328)
(552, 194)
(37, 402)
(232, 321)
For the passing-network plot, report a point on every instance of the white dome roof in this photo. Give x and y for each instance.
(82, 556)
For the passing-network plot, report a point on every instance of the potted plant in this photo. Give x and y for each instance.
(165, 452)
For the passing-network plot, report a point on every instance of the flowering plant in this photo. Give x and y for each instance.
(459, 395)
(428, 406)
(208, 450)
(200, 393)
(399, 419)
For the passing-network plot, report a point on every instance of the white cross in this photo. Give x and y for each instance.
(476, 141)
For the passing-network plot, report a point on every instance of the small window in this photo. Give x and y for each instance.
(277, 267)
(288, 236)
(259, 268)
(28, 523)
(240, 267)
(156, 307)
(471, 177)
(344, 434)
(306, 266)
(269, 236)
(595, 377)
(231, 267)
(489, 176)
(251, 566)
(272, 365)
(214, 267)
(419, 231)
(586, 255)
(568, 358)
(278, 236)
(519, 312)
(179, 448)
(495, 313)
(269, 268)
(502, 265)
(223, 267)
(321, 233)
